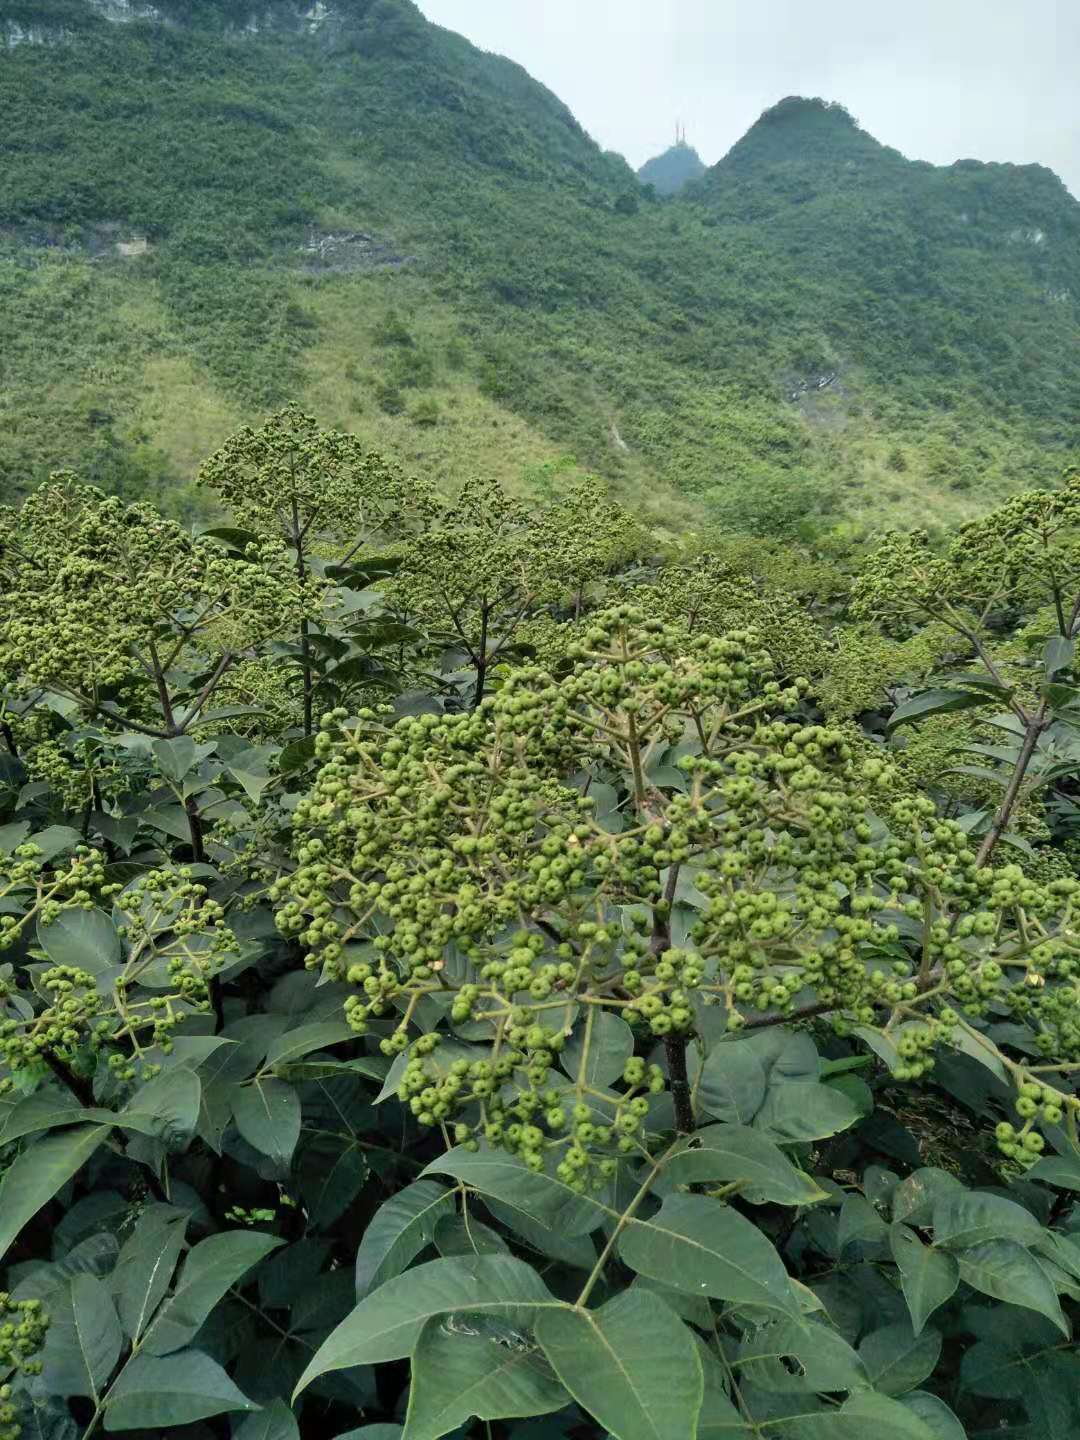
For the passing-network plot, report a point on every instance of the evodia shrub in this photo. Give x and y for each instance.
(567, 914)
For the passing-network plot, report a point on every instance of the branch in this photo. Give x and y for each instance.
(1036, 724)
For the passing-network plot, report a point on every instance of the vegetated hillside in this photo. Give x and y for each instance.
(209, 208)
(677, 166)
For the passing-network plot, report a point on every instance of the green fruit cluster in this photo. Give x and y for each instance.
(165, 920)
(456, 859)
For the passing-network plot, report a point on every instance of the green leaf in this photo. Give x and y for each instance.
(797, 1111)
(631, 1364)
(13, 835)
(611, 1043)
(860, 1224)
(863, 1416)
(155, 1391)
(145, 1266)
(45, 1109)
(897, 1359)
(822, 1360)
(54, 839)
(969, 1217)
(465, 1235)
(251, 769)
(935, 702)
(398, 1231)
(928, 1277)
(727, 1154)
(1058, 655)
(167, 1106)
(577, 1251)
(97, 1327)
(543, 1197)
(37, 1174)
(732, 1083)
(914, 1198)
(276, 1422)
(463, 1367)
(84, 939)
(84, 1339)
(387, 1323)
(935, 1415)
(295, 1044)
(719, 1420)
(374, 1432)
(703, 1247)
(211, 1268)
(1063, 1171)
(175, 757)
(331, 1170)
(267, 1114)
(1004, 1270)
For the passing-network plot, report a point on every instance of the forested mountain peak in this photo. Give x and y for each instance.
(668, 172)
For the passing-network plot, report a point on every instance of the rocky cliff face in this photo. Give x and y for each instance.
(51, 23)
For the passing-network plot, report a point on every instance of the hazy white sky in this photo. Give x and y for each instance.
(940, 80)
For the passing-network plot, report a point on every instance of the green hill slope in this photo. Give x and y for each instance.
(669, 172)
(212, 206)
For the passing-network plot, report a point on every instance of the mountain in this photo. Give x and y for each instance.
(209, 207)
(677, 166)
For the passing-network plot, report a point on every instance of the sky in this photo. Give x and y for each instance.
(939, 80)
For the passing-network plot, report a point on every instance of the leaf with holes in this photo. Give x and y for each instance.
(465, 1366)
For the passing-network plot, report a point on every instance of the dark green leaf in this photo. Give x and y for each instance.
(387, 1323)
(1058, 655)
(173, 1390)
(211, 1268)
(732, 1083)
(84, 939)
(799, 1357)
(936, 702)
(928, 1276)
(914, 1198)
(703, 1247)
(38, 1173)
(84, 1338)
(611, 1043)
(145, 1268)
(863, 1416)
(399, 1230)
(465, 1366)
(276, 1422)
(175, 757)
(729, 1154)
(166, 1107)
(577, 1251)
(897, 1359)
(935, 1415)
(631, 1364)
(543, 1197)
(1004, 1270)
(465, 1235)
(267, 1114)
(970, 1217)
(860, 1224)
(1062, 1171)
(797, 1111)
(295, 1044)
